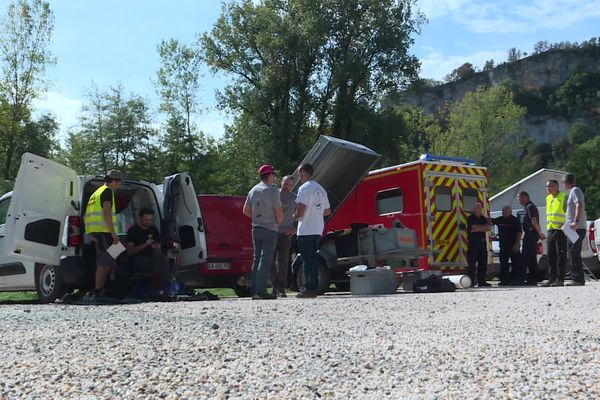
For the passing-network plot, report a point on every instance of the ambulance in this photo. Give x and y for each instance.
(433, 196)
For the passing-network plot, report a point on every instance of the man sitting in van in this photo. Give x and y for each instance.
(100, 221)
(144, 250)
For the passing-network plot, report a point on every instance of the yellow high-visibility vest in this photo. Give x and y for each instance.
(555, 210)
(94, 215)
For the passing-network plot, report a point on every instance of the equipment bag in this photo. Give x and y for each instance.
(433, 284)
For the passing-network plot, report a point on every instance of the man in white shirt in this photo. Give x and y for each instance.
(312, 206)
(577, 219)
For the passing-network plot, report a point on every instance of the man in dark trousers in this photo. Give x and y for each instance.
(556, 216)
(577, 220)
(477, 226)
(509, 231)
(532, 234)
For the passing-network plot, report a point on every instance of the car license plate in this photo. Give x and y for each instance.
(218, 266)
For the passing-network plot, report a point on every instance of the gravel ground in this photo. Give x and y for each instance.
(534, 343)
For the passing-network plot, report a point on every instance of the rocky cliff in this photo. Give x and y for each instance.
(544, 72)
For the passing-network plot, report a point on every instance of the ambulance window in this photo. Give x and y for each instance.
(443, 198)
(470, 197)
(390, 201)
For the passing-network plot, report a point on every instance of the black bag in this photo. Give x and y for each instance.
(433, 284)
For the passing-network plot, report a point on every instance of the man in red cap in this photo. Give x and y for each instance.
(263, 205)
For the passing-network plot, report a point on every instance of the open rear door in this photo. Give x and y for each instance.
(183, 220)
(339, 167)
(43, 194)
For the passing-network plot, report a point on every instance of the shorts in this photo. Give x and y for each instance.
(103, 241)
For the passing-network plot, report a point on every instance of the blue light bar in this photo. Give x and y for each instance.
(461, 160)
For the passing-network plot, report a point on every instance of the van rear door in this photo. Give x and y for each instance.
(44, 193)
(183, 219)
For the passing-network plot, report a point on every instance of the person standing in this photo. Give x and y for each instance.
(577, 219)
(263, 205)
(532, 234)
(100, 221)
(509, 231)
(556, 206)
(312, 206)
(280, 266)
(477, 226)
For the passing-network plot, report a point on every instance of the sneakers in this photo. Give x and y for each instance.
(263, 296)
(553, 284)
(575, 283)
(306, 295)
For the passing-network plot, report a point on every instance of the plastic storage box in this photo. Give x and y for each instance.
(373, 281)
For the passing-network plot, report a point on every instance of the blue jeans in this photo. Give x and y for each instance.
(308, 246)
(264, 242)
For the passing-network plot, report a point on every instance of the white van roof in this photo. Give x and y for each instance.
(534, 184)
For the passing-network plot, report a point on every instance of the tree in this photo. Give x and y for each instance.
(489, 66)
(25, 36)
(484, 126)
(115, 130)
(306, 68)
(514, 55)
(178, 85)
(465, 71)
(585, 165)
(541, 47)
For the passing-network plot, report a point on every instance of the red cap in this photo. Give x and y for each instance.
(266, 169)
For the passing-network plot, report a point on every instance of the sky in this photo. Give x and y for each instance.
(110, 42)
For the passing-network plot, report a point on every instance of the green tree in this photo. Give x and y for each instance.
(25, 36)
(484, 126)
(465, 71)
(306, 68)
(585, 164)
(115, 130)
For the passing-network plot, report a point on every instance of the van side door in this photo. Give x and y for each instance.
(43, 194)
(183, 222)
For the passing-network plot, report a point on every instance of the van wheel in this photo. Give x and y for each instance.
(324, 277)
(48, 283)
(242, 290)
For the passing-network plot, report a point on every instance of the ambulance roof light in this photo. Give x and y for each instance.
(460, 160)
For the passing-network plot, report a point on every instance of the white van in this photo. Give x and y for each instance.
(42, 244)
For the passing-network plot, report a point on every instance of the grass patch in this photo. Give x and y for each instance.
(16, 297)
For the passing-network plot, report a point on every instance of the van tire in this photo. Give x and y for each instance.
(48, 283)
(324, 276)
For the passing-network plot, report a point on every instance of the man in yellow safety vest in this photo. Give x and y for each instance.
(556, 216)
(100, 222)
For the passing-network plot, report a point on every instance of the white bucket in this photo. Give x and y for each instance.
(460, 281)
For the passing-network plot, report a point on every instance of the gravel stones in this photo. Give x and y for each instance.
(485, 343)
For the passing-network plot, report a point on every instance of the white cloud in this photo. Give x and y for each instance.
(513, 16)
(66, 110)
(439, 8)
(212, 123)
(436, 65)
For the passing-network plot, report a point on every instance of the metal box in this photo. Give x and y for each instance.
(373, 281)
